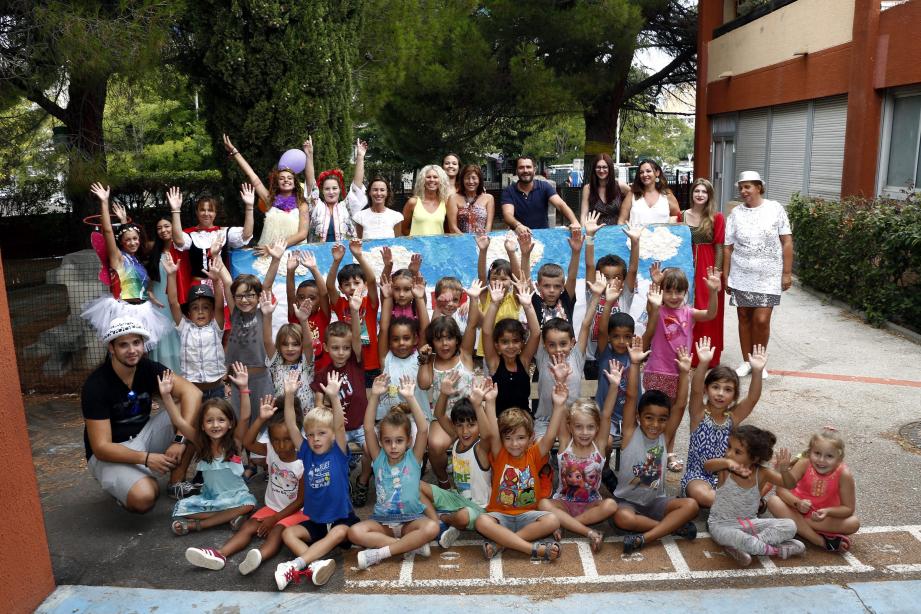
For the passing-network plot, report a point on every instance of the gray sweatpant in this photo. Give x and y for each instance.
(753, 535)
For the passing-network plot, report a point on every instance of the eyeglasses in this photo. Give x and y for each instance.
(249, 296)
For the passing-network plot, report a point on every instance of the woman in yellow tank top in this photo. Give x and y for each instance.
(425, 213)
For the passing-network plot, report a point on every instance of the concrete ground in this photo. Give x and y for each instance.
(829, 368)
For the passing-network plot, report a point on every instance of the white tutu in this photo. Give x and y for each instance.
(101, 311)
(279, 225)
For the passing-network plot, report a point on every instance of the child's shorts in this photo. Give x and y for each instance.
(516, 522)
(576, 508)
(654, 510)
(450, 501)
(319, 530)
(288, 521)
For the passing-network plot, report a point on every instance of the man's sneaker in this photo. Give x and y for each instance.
(743, 558)
(321, 571)
(448, 536)
(252, 561)
(744, 369)
(209, 558)
(359, 494)
(633, 542)
(688, 531)
(181, 490)
(790, 547)
(286, 572)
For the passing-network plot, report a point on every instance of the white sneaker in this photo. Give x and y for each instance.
(425, 551)
(252, 561)
(209, 558)
(367, 558)
(743, 558)
(744, 369)
(448, 537)
(285, 572)
(322, 571)
(790, 547)
(765, 374)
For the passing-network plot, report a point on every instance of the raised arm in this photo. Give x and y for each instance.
(757, 359)
(681, 397)
(525, 299)
(379, 387)
(473, 319)
(704, 356)
(171, 267)
(575, 245)
(634, 232)
(355, 310)
(496, 293)
(511, 249)
(276, 250)
(267, 307)
(597, 287)
(239, 376)
(310, 177)
(182, 424)
(637, 356)
(248, 196)
(105, 222)
(331, 390)
(368, 273)
(292, 385)
(218, 273)
(174, 198)
(250, 440)
(338, 251)
(653, 302)
(447, 389)
(560, 397)
(418, 291)
(487, 435)
(236, 156)
(613, 373)
(386, 314)
(713, 286)
(407, 390)
(482, 243)
(361, 148)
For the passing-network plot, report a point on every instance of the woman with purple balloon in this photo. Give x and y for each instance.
(330, 218)
(286, 209)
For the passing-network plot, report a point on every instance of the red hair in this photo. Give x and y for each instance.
(334, 174)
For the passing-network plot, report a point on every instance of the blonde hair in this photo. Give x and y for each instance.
(828, 434)
(514, 418)
(318, 417)
(586, 407)
(443, 182)
(706, 220)
(292, 331)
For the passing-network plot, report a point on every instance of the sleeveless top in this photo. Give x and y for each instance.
(580, 476)
(471, 217)
(734, 503)
(463, 386)
(609, 212)
(514, 387)
(132, 279)
(425, 223)
(674, 330)
(821, 490)
(642, 213)
(472, 481)
(708, 440)
(397, 489)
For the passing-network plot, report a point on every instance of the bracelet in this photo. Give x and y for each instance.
(590, 239)
(146, 458)
(233, 153)
(244, 391)
(175, 210)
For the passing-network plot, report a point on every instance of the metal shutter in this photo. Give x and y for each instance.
(751, 142)
(828, 125)
(787, 151)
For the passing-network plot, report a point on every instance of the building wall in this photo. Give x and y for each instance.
(811, 25)
(25, 564)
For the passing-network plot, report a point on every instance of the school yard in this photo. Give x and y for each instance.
(827, 368)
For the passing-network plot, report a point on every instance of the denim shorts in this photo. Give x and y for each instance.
(516, 522)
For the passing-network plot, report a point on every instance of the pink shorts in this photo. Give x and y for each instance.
(575, 508)
(664, 382)
(288, 521)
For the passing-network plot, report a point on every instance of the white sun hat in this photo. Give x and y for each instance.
(750, 176)
(125, 326)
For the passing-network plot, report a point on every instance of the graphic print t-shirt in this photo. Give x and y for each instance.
(516, 485)
(326, 484)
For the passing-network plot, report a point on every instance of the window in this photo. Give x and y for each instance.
(900, 166)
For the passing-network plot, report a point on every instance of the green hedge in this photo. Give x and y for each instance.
(866, 253)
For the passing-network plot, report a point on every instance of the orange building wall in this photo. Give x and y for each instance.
(25, 564)
(899, 46)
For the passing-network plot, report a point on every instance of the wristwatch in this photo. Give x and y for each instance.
(178, 438)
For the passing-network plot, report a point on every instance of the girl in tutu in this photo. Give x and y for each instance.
(125, 253)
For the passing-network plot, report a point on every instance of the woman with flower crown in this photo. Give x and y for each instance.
(330, 218)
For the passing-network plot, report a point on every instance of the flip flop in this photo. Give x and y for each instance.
(490, 550)
(548, 549)
(836, 542)
(596, 539)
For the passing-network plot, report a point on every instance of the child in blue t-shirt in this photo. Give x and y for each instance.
(614, 344)
(326, 487)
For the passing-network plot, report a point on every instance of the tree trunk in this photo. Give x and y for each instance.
(600, 131)
(86, 146)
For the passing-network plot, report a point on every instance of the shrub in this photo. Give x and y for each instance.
(866, 253)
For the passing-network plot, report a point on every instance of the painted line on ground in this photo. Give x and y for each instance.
(682, 570)
(860, 379)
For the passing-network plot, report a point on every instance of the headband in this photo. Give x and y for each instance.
(335, 174)
(122, 229)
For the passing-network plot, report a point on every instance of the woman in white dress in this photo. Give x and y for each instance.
(649, 200)
(379, 221)
(758, 261)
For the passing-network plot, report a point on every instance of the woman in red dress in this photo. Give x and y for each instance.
(708, 229)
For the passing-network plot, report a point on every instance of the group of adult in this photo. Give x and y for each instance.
(126, 448)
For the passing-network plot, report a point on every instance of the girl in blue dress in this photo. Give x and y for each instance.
(217, 436)
(715, 409)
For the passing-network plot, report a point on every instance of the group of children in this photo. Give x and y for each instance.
(305, 400)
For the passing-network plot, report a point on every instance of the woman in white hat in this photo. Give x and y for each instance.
(758, 262)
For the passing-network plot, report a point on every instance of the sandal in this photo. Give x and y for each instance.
(675, 465)
(596, 539)
(836, 542)
(558, 535)
(182, 526)
(490, 550)
(548, 551)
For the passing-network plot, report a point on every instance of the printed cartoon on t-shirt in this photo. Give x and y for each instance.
(283, 481)
(516, 488)
(346, 316)
(575, 483)
(674, 327)
(318, 476)
(462, 475)
(391, 499)
(315, 341)
(649, 472)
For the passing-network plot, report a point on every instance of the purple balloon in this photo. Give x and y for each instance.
(294, 159)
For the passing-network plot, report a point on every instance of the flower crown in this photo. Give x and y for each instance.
(336, 174)
(123, 228)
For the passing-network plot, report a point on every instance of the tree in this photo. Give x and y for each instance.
(61, 54)
(665, 138)
(272, 72)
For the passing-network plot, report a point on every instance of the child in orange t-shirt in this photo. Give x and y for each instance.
(512, 519)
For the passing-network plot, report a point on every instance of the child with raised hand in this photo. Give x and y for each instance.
(343, 344)
(288, 351)
(500, 271)
(404, 286)
(561, 345)
(617, 331)
(643, 508)
(324, 454)
(671, 327)
(446, 351)
(715, 410)
(733, 521)
(284, 495)
(509, 349)
(615, 270)
(398, 524)
(449, 294)
(583, 437)
(400, 355)
(356, 279)
(458, 508)
(555, 295)
(224, 497)
(513, 519)
(823, 502)
(314, 290)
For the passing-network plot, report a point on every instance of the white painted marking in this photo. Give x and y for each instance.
(588, 560)
(851, 559)
(633, 557)
(450, 555)
(496, 572)
(911, 528)
(916, 533)
(904, 568)
(406, 571)
(887, 548)
(454, 567)
(674, 554)
(710, 555)
(767, 563)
